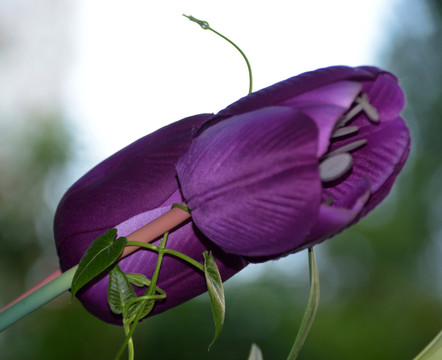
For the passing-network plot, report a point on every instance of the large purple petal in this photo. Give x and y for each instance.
(137, 178)
(331, 219)
(292, 87)
(252, 181)
(325, 117)
(325, 105)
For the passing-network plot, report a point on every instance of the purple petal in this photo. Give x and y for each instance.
(325, 105)
(126, 191)
(378, 159)
(325, 118)
(135, 222)
(341, 94)
(385, 188)
(387, 146)
(292, 87)
(386, 96)
(331, 219)
(137, 178)
(252, 181)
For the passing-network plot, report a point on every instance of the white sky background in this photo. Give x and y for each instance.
(139, 65)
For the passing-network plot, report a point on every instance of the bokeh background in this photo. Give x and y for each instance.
(79, 80)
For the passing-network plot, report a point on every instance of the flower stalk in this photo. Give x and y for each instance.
(149, 232)
(36, 299)
(58, 282)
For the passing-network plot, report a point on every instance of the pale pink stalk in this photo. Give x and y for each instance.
(146, 234)
(156, 228)
(51, 277)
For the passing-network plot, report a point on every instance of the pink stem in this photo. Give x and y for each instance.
(146, 234)
(156, 228)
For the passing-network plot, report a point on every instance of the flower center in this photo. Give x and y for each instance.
(335, 164)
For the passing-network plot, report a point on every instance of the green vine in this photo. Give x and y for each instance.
(205, 25)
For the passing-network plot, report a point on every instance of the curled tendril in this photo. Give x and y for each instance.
(205, 25)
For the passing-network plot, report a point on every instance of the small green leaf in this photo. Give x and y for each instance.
(139, 280)
(255, 353)
(216, 293)
(122, 297)
(142, 303)
(101, 254)
(119, 291)
(148, 306)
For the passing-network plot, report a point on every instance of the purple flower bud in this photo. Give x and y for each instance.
(126, 191)
(293, 164)
(277, 171)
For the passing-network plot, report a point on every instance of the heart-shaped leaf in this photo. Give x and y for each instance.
(101, 254)
(216, 293)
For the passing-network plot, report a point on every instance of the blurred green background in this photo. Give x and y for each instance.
(381, 283)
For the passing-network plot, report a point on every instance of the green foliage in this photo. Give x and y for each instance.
(216, 293)
(141, 280)
(312, 308)
(122, 299)
(138, 280)
(101, 254)
(120, 293)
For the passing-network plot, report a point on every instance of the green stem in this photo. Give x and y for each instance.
(37, 299)
(185, 258)
(312, 307)
(150, 291)
(144, 245)
(249, 68)
(130, 344)
(167, 251)
(205, 25)
(144, 298)
(181, 206)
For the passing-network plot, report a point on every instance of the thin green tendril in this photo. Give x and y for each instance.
(205, 25)
(181, 206)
